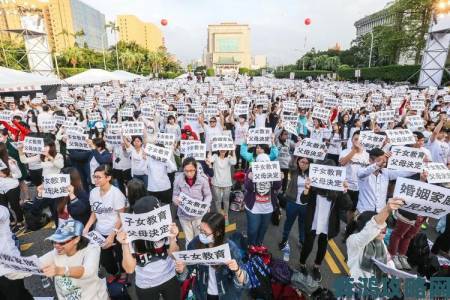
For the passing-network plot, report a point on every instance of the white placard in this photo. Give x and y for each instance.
(165, 139)
(418, 105)
(291, 128)
(77, 130)
(94, 116)
(114, 127)
(422, 198)
(384, 116)
(330, 102)
(311, 149)
(415, 123)
(321, 113)
(240, 109)
(131, 128)
(349, 103)
(77, 142)
(289, 107)
(371, 140)
(29, 265)
(210, 256)
(113, 138)
(47, 125)
(266, 171)
(327, 177)
(393, 271)
(95, 238)
(197, 151)
(33, 145)
(6, 115)
(406, 159)
(437, 173)
(399, 137)
(305, 103)
(193, 207)
(184, 143)
(258, 136)
(161, 154)
(56, 185)
(222, 143)
(151, 226)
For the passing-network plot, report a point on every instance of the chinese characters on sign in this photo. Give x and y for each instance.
(158, 153)
(371, 140)
(321, 113)
(437, 173)
(422, 198)
(406, 159)
(77, 142)
(166, 139)
(95, 238)
(196, 150)
(222, 143)
(210, 256)
(311, 149)
(29, 265)
(131, 128)
(56, 185)
(33, 145)
(259, 136)
(193, 207)
(327, 177)
(266, 171)
(399, 137)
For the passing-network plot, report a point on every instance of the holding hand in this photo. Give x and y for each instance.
(179, 266)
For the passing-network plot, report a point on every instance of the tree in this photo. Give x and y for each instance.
(73, 56)
(114, 29)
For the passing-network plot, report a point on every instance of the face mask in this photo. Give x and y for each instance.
(204, 239)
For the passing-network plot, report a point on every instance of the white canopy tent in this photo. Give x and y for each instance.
(18, 81)
(92, 76)
(127, 76)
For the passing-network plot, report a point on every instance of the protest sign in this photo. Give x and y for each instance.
(399, 137)
(311, 149)
(417, 105)
(166, 139)
(423, 198)
(191, 117)
(29, 265)
(291, 128)
(197, 151)
(266, 171)
(113, 138)
(95, 238)
(184, 143)
(77, 142)
(130, 128)
(193, 207)
(151, 226)
(393, 271)
(406, 159)
(384, 116)
(259, 136)
(349, 103)
(126, 112)
(415, 123)
(209, 256)
(327, 177)
(437, 173)
(114, 127)
(75, 130)
(305, 103)
(56, 185)
(289, 107)
(330, 102)
(321, 113)
(47, 125)
(59, 119)
(371, 140)
(222, 143)
(94, 116)
(6, 115)
(33, 145)
(158, 153)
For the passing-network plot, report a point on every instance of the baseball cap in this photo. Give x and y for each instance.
(67, 231)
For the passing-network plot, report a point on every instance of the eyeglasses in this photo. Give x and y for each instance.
(63, 243)
(202, 231)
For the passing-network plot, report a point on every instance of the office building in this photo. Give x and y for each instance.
(147, 35)
(368, 23)
(228, 48)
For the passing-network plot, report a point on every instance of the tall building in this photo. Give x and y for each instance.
(368, 23)
(147, 35)
(63, 19)
(228, 47)
(259, 62)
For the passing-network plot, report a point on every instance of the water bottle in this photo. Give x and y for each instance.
(286, 252)
(190, 295)
(45, 282)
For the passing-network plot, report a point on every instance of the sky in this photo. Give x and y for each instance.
(277, 26)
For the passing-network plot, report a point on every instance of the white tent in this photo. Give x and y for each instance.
(127, 76)
(92, 76)
(15, 81)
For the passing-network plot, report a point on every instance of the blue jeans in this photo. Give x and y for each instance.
(294, 210)
(144, 179)
(257, 225)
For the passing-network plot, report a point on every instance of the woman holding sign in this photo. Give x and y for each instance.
(152, 261)
(220, 281)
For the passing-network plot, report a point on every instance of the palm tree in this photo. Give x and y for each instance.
(75, 35)
(73, 56)
(115, 29)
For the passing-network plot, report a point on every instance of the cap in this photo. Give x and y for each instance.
(66, 231)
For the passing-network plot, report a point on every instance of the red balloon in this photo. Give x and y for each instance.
(164, 22)
(307, 21)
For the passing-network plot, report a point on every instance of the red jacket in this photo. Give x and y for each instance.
(19, 132)
(184, 136)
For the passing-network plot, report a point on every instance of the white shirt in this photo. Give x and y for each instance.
(124, 158)
(212, 282)
(158, 180)
(155, 273)
(373, 189)
(211, 132)
(239, 133)
(263, 203)
(321, 215)
(440, 151)
(7, 245)
(138, 163)
(300, 188)
(44, 116)
(105, 208)
(222, 170)
(260, 120)
(358, 161)
(89, 286)
(335, 146)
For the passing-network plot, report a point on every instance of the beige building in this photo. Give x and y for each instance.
(228, 48)
(259, 62)
(147, 35)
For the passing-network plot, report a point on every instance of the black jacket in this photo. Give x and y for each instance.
(338, 200)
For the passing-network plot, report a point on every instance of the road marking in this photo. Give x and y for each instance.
(333, 266)
(339, 255)
(25, 247)
(229, 228)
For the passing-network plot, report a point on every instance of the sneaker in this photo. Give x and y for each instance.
(397, 263)
(404, 262)
(282, 244)
(316, 275)
(303, 270)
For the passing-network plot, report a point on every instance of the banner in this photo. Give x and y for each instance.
(258, 136)
(311, 149)
(29, 265)
(266, 171)
(33, 145)
(95, 238)
(406, 159)
(56, 185)
(151, 226)
(423, 198)
(209, 256)
(327, 177)
(193, 207)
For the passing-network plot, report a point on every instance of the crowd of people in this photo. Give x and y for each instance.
(114, 171)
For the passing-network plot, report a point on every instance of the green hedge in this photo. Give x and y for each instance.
(393, 73)
(250, 72)
(300, 74)
(168, 75)
(210, 72)
(68, 72)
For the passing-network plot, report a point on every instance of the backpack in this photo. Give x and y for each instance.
(429, 266)
(34, 220)
(237, 201)
(117, 290)
(281, 272)
(418, 250)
